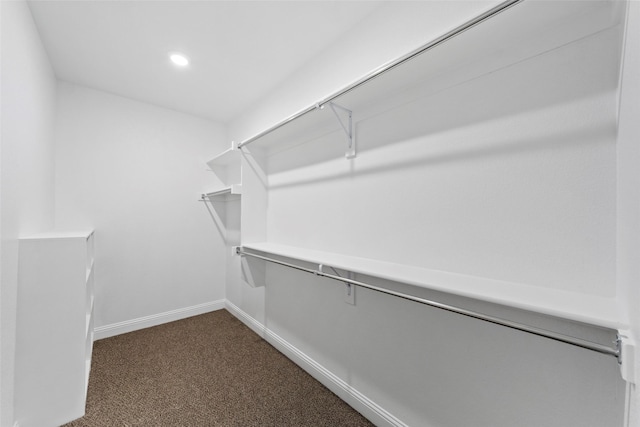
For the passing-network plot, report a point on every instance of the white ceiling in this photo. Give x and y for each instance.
(239, 50)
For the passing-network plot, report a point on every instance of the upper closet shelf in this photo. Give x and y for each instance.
(504, 35)
(590, 309)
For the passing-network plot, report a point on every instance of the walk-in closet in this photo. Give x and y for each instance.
(397, 213)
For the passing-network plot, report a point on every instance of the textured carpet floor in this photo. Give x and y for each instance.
(207, 370)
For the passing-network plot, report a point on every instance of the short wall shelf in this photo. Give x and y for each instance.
(225, 194)
(229, 157)
(226, 167)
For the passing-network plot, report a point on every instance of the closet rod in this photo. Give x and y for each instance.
(589, 345)
(389, 66)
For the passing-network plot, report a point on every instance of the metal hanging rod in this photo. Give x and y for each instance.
(567, 339)
(389, 66)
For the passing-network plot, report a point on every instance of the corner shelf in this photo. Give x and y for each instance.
(229, 157)
(226, 167)
(225, 194)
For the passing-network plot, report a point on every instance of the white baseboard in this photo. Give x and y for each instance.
(107, 331)
(372, 411)
(252, 323)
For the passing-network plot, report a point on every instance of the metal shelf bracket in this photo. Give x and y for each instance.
(347, 128)
(350, 289)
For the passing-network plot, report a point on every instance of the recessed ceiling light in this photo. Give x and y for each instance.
(179, 59)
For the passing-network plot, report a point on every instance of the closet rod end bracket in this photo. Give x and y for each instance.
(627, 357)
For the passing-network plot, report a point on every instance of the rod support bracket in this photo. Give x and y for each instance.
(627, 357)
(347, 127)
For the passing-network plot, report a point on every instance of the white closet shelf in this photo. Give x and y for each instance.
(231, 192)
(445, 62)
(59, 234)
(584, 308)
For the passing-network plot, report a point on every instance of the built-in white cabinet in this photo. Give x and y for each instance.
(54, 327)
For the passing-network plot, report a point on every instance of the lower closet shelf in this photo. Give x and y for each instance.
(590, 309)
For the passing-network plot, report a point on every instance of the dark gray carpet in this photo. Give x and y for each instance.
(207, 370)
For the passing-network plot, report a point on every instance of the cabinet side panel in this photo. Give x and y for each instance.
(50, 338)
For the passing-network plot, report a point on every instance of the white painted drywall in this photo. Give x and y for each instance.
(628, 195)
(134, 172)
(509, 175)
(27, 171)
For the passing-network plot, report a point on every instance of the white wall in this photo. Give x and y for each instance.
(628, 195)
(135, 172)
(508, 174)
(27, 171)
